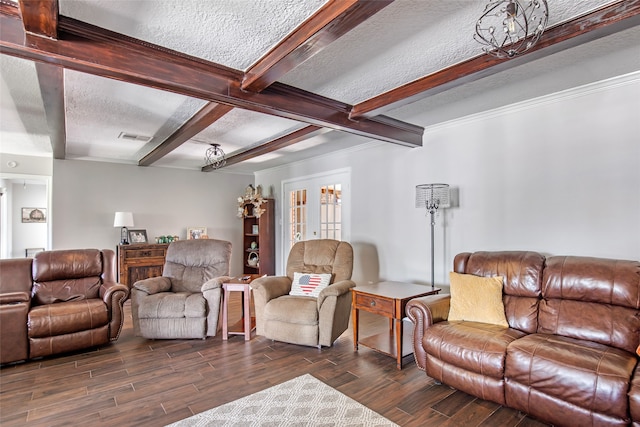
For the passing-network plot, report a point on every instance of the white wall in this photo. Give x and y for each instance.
(558, 175)
(164, 201)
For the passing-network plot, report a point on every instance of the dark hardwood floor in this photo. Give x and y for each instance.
(153, 383)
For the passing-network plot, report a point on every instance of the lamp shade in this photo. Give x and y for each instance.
(123, 219)
(432, 196)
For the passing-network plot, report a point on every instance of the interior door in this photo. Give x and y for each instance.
(316, 207)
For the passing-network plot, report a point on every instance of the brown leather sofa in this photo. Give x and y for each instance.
(568, 356)
(57, 302)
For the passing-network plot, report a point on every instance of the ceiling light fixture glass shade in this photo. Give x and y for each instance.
(215, 157)
(508, 28)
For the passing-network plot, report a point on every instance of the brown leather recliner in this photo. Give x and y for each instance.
(60, 301)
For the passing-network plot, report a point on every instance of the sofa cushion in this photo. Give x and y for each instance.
(593, 299)
(66, 318)
(634, 396)
(473, 346)
(476, 299)
(559, 378)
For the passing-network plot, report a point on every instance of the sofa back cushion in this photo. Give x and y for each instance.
(592, 298)
(522, 275)
(66, 275)
(190, 263)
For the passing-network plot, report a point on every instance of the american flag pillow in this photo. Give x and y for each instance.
(309, 285)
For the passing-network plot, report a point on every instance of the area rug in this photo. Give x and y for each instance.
(302, 401)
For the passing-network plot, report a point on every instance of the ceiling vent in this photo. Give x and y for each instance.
(133, 137)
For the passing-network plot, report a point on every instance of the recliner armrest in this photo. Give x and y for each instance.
(108, 288)
(335, 289)
(214, 283)
(153, 285)
(14, 297)
(271, 287)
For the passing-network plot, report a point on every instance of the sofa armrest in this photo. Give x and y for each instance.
(153, 285)
(114, 295)
(14, 297)
(424, 312)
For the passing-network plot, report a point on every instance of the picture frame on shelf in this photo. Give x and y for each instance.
(255, 229)
(138, 236)
(194, 233)
(34, 215)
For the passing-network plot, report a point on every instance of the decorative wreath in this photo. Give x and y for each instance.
(251, 196)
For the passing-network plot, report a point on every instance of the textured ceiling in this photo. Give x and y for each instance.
(404, 41)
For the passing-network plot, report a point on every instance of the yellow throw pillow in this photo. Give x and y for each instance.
(476, 299)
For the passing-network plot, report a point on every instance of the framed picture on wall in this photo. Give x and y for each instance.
(34, 215)
(137, 236)
(196, 233)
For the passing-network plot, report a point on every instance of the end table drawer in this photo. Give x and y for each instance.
(145, 253)
(374, 304)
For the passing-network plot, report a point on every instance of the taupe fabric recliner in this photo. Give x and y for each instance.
(300, 319)
(185, 301)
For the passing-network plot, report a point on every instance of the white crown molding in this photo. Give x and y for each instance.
(576, 92)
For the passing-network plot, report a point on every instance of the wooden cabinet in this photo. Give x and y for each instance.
(259, 240)
(140, 261)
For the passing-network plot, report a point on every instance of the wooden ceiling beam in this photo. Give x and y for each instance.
(51, 81)
(602, 22)
(201, 120)
(93, 50)
(40, 17)
(272, 145)
(334, 19)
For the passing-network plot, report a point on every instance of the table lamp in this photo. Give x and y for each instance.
(124, 220)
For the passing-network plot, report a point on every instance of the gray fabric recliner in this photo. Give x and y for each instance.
(301, 319)
(185, 301)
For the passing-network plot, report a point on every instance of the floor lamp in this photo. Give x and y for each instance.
(432, 197)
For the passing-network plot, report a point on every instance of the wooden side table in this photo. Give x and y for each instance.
(248, 323)
(387, 299)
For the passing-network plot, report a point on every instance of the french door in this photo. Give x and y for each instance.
(316, 207)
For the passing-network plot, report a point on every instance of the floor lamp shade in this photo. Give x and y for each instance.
(123, 220)
(432, 197)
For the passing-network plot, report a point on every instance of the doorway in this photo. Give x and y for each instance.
(25, 215)
(316, 207)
